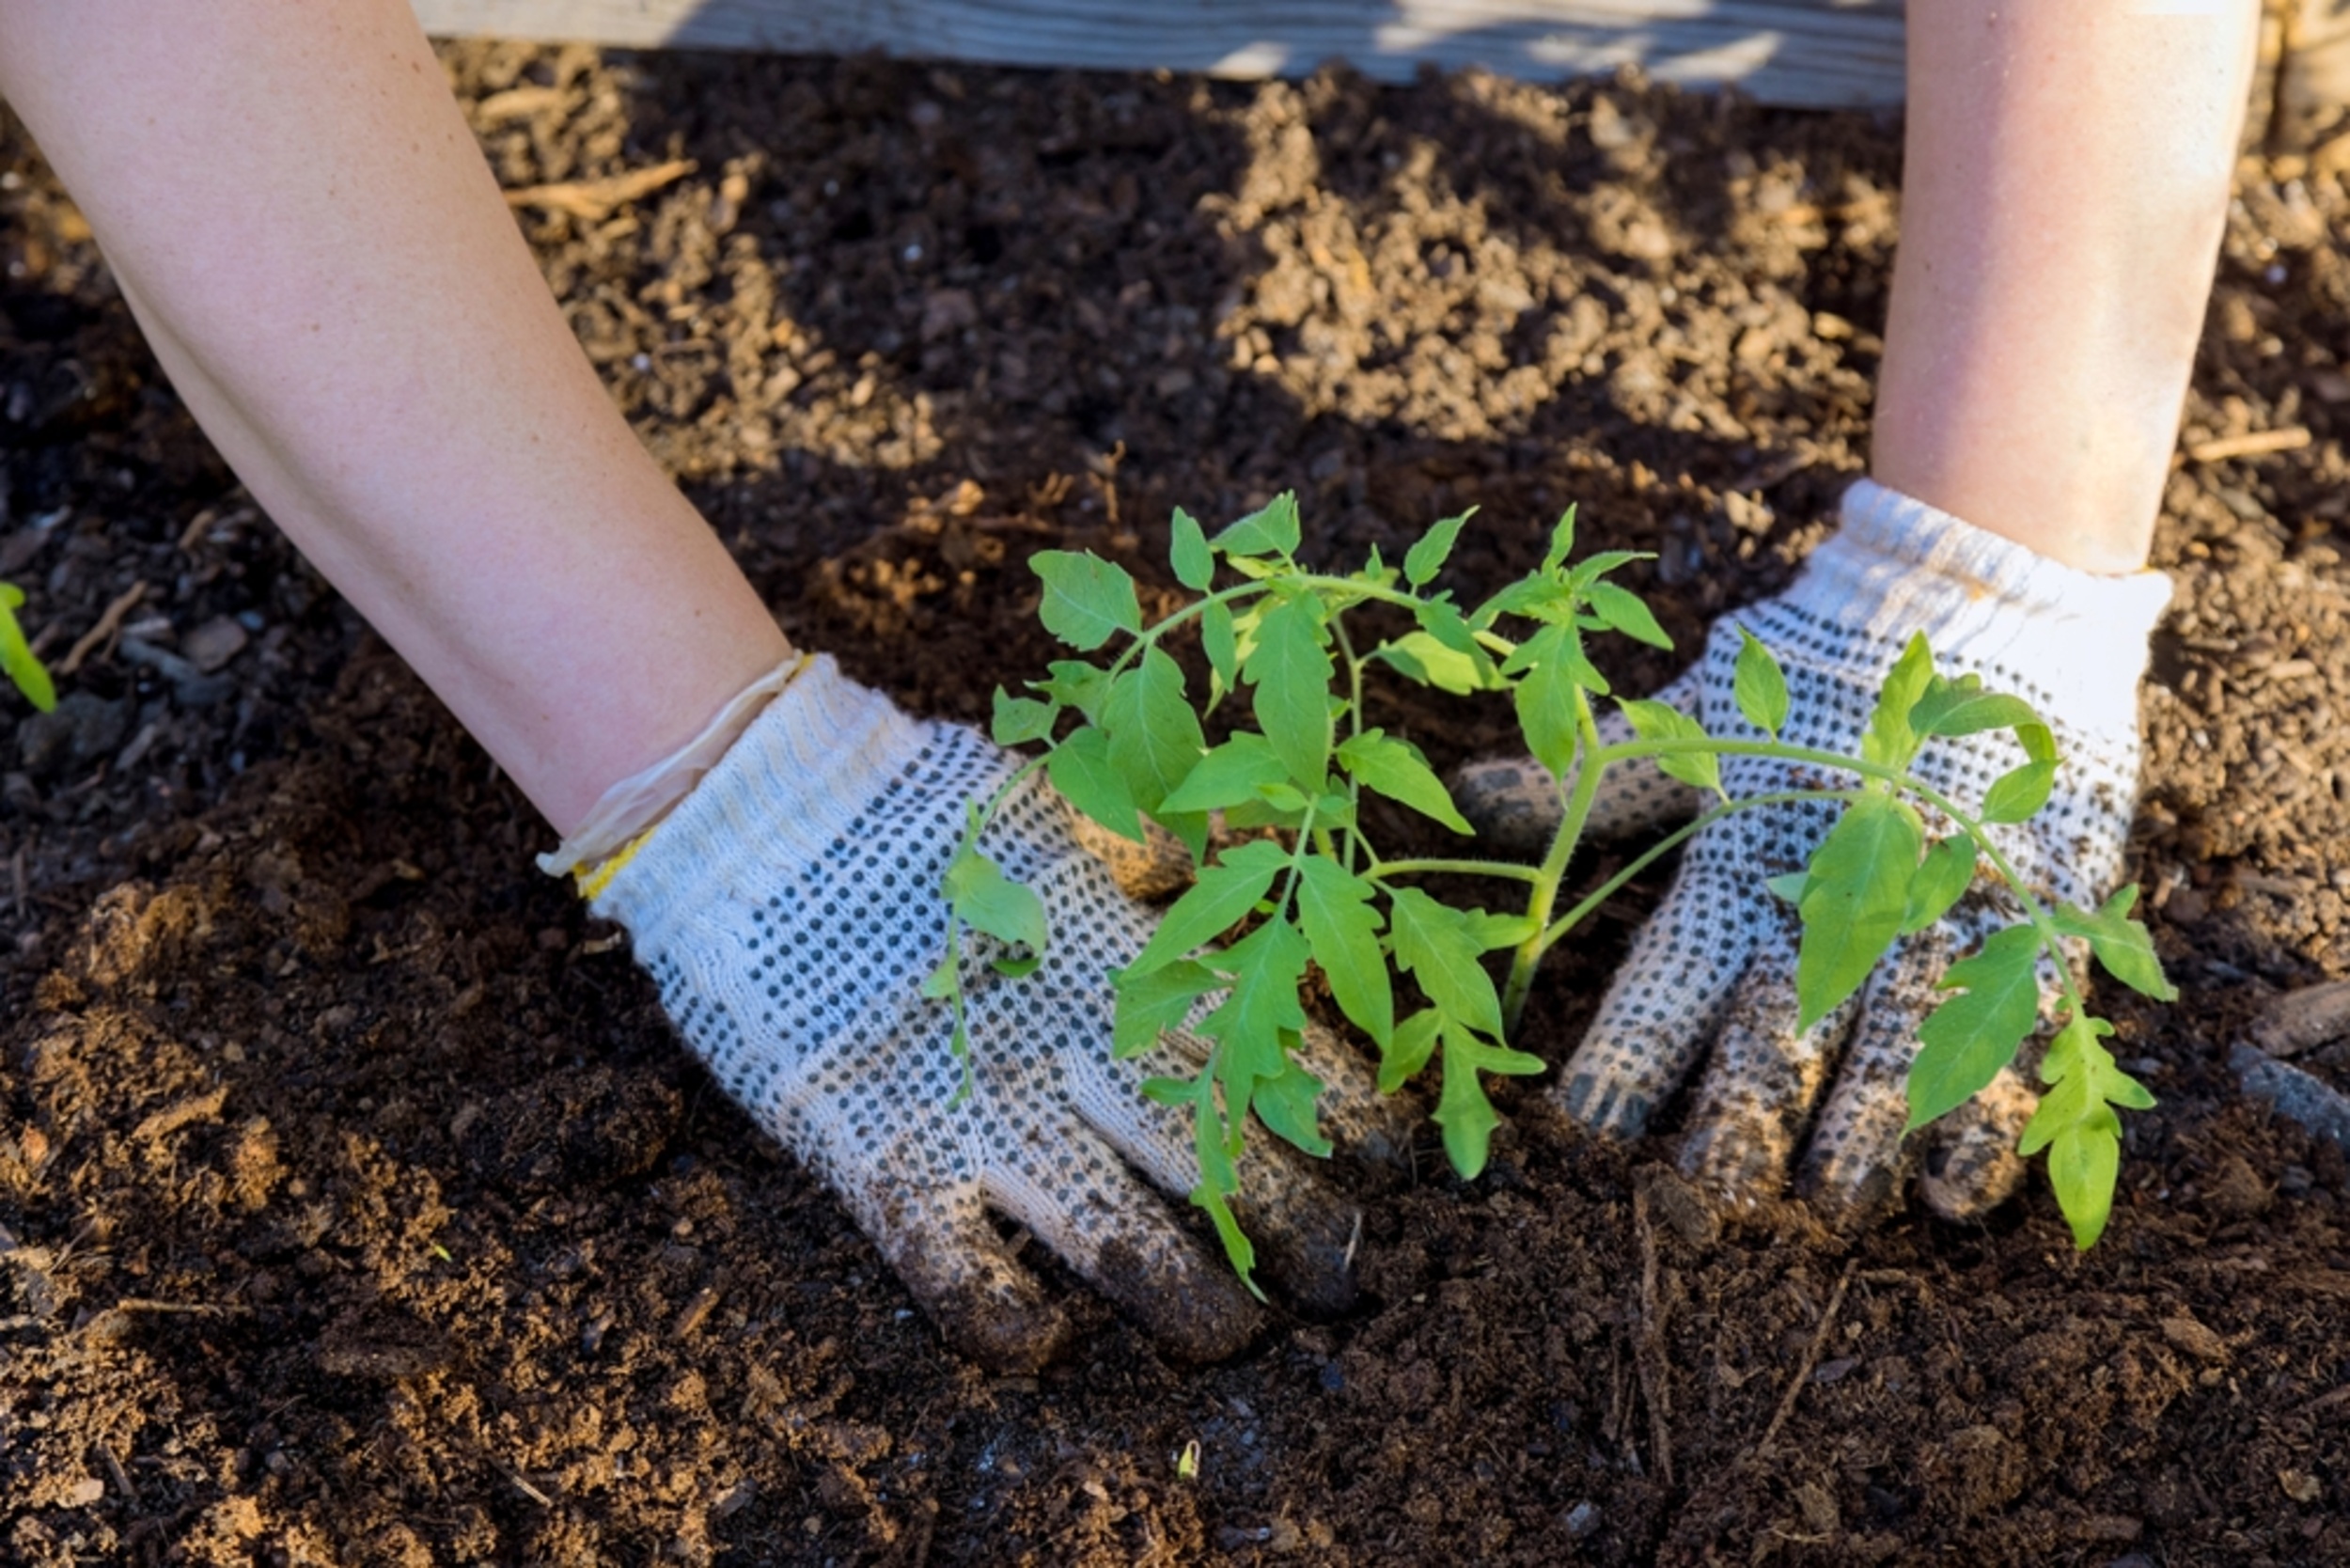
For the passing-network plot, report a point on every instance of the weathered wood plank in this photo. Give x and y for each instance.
(1811, 53)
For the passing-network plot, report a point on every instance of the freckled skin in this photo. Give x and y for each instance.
(789, 911)
(1710, 980)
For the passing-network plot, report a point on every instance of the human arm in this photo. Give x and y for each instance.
(2067, 178)
(304, 225)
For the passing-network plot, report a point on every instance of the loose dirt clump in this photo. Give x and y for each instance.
(356, 1204)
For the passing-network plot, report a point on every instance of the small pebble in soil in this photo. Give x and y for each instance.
(1583, 1521)
(212, 645)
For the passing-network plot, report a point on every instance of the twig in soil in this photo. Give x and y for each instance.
(2257, 443)
(522, 1484)
(108, 625)
(198, 1309)
(209, 518)
(1649, 1359)
(121, 1477)
(593, 200)
(1802, 1368)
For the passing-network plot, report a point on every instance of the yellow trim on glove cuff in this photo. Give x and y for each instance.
(593, 879)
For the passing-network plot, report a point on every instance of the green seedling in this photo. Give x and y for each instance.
(17, 658)
(1295, 876)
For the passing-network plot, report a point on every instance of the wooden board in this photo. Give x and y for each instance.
(1808, 53)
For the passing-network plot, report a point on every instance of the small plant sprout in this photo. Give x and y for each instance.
(17, 659)
(1295, 876)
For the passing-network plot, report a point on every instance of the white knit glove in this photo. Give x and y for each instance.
(1715, 964)
(788, 909)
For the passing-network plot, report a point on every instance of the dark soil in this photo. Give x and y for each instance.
(356, 1205)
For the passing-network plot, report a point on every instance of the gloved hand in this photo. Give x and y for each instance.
(1716, 963)
(788, 909)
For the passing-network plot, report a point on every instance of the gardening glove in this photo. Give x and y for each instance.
(789, 908)
(1716, 963)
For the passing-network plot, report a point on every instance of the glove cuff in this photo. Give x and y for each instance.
(790, 787)
(2073, 642)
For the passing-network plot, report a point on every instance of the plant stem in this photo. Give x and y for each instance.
(1380, 870)
(1590, 765)
(1665, 846)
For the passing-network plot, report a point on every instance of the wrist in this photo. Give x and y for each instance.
(2071, 641)
(829, 724)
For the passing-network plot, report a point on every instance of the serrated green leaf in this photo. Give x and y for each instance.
(1425, 558)
(1219, 641)
(941, 983)
(1855, 898)
(2017, 794)
(1252, 814)
(1971, 714)
(1463, 1111)
(1400, 773)
(1594, 567)
(1660, 721)
(1419, 657)
(1080, 768)
(1239, 770)
(1283, 796)
(2038, 740)
(1271, 531)
(1262, 1012)
(1537, 597)
(1759, 685)
(1408, 1049)
(1544, 696)
(1237, 1250)
(2122, 946)
(1962, 1043)
(1789, 886)
(1434, 944)
(1190, 829)
(1468, 1119)
(1561, 541)
(985, 900)
(1622, 609)
(1171, 1092)
(1150, 1003)
(1285, 1104)
(1212, 905)
(1074, 684)
(1441, 619)
(1087, 600)
(1188, 553)
(1155, 739)
(2076, 1125)
(1290, 671)
(1334, 906)
(1889, 741)
(22, 666)
(1020, 719)
(1941, 879)
(2084, 1160)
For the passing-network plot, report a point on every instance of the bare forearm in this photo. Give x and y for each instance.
(302, 221)
(2065, 188)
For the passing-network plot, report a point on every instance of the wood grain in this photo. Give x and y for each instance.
(1809, 53)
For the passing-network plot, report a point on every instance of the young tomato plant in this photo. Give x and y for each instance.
(1121, 741)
